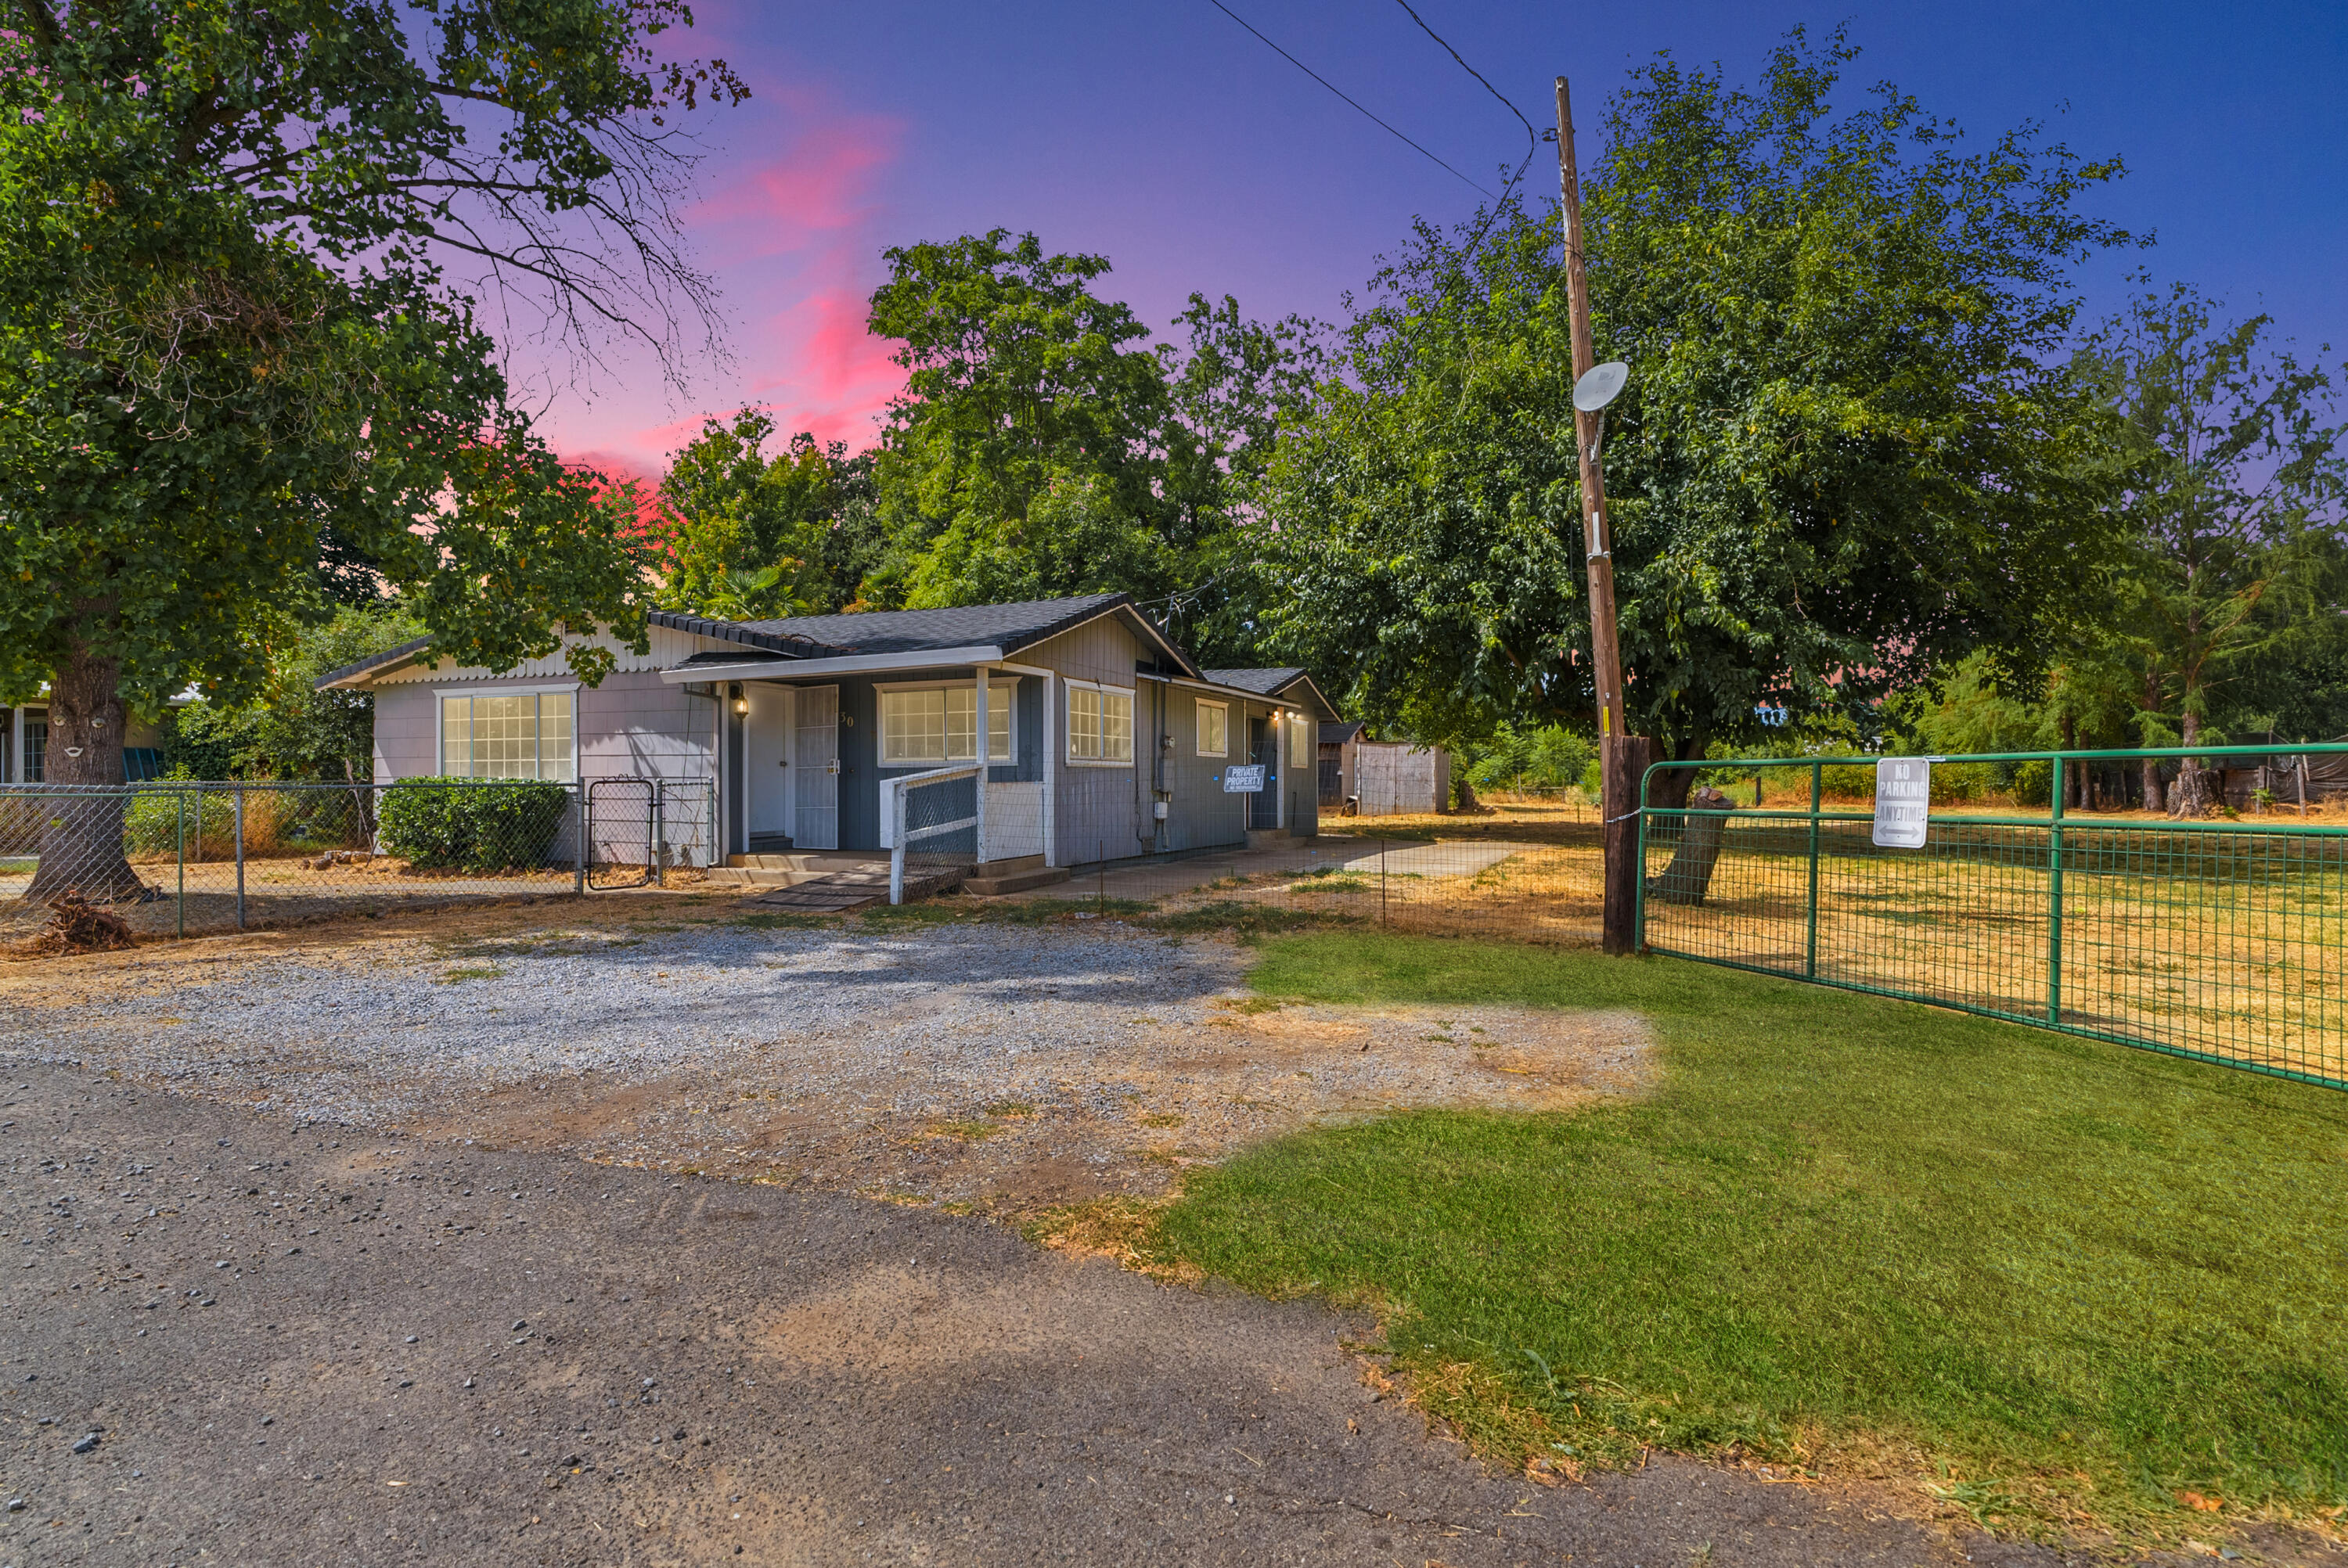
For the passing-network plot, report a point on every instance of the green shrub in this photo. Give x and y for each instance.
(2033, 783)
(153, 824)
(462, 825)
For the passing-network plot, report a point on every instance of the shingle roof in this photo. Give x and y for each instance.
(1007, 627)
(1267, 681)
(1338, 732)
(759, 634)
(371, 663)
(1004, 625)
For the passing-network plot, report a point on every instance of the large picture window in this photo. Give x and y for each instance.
(510, 735)
(940, 725)
(1214, 729)
(1100, 724)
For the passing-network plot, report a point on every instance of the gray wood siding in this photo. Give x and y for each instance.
(1201, 814)
(632, 726)
(407, 733)
(1096, 811)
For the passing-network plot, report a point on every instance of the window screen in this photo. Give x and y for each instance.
(940, 725)
(1214, 729)
(524, 735)
(1100, 724)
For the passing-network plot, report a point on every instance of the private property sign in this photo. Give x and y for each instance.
(1246, 779)
(1903, 801)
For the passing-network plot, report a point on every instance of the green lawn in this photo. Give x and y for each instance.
(2076, 1279)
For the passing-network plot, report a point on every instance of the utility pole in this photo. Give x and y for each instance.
(1622, 758)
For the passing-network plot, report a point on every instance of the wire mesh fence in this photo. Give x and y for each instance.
(184, 858)
(2220, 938)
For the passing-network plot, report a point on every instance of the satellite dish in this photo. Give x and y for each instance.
(1601, 386)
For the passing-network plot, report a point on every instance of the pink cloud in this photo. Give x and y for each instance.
(820, 185)
(793, 239)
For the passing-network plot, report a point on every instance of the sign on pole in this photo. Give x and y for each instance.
(1903, 801)
(1247, 778)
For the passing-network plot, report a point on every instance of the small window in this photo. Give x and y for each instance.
(1300, 741)
(938, 724)
(36, 751)
(510, 735)
(1214, 729)
(1100, 724)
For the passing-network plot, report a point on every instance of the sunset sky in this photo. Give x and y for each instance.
(1160, 134)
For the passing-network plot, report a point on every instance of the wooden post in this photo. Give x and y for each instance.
(1620, 763)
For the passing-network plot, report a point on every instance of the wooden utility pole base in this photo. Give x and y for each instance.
(1623, 762)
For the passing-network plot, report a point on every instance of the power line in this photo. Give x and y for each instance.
(1332, 86)
(1533, 140)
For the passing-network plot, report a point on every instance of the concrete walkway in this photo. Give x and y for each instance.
(1152, 880)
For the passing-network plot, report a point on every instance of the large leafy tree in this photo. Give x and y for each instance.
(1033, 408)
(1851, 453)
(756, 534)
(2236, 495)
(1045, 445)
(229, 354)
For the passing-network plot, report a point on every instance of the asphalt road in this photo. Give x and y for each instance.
(230, 1341)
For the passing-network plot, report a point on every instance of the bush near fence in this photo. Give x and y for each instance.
(463, 826)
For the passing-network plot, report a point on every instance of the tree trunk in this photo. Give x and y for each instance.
(1669, 791)
(2191, 795)
(1688, 877)
(1464, 788)
(2151, 767)
(2074, 781)
(82, 833)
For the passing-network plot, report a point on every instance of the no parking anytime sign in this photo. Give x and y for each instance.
(1903, 801)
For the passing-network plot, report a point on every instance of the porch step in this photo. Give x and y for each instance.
(1017, 881)
(843, 892)
(1270, 838)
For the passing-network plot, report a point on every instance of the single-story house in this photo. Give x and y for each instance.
(1363, 777)
(1103, 740)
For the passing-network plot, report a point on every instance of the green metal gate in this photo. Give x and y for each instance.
(2225, 939)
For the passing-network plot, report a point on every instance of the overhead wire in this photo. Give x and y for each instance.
(1334, 87)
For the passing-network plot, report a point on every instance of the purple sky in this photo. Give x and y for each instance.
(1158, 133)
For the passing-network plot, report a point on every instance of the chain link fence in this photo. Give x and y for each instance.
(2221, 939)
(174, 858)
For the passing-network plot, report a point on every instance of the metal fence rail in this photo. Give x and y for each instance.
(185, 858)
(2223, 940)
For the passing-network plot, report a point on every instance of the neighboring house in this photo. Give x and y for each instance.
(1103, 740)
(25, 745)
(1363, 777)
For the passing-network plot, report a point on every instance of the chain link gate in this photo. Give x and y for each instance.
(640, 829)
(622, 836)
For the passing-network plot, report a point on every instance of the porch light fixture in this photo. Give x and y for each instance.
(742, 705)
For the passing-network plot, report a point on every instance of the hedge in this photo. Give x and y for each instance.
(463, 825)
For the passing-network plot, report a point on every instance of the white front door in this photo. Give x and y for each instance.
(814, 769)
(766, 756)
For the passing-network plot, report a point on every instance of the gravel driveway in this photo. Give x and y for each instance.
(1000, 1066)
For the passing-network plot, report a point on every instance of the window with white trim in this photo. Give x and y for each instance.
(1100, 724)
(1301, 740)
(1214, 729)
(939, 724)
(509, 735)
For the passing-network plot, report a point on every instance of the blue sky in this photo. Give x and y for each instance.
(1160, 134)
